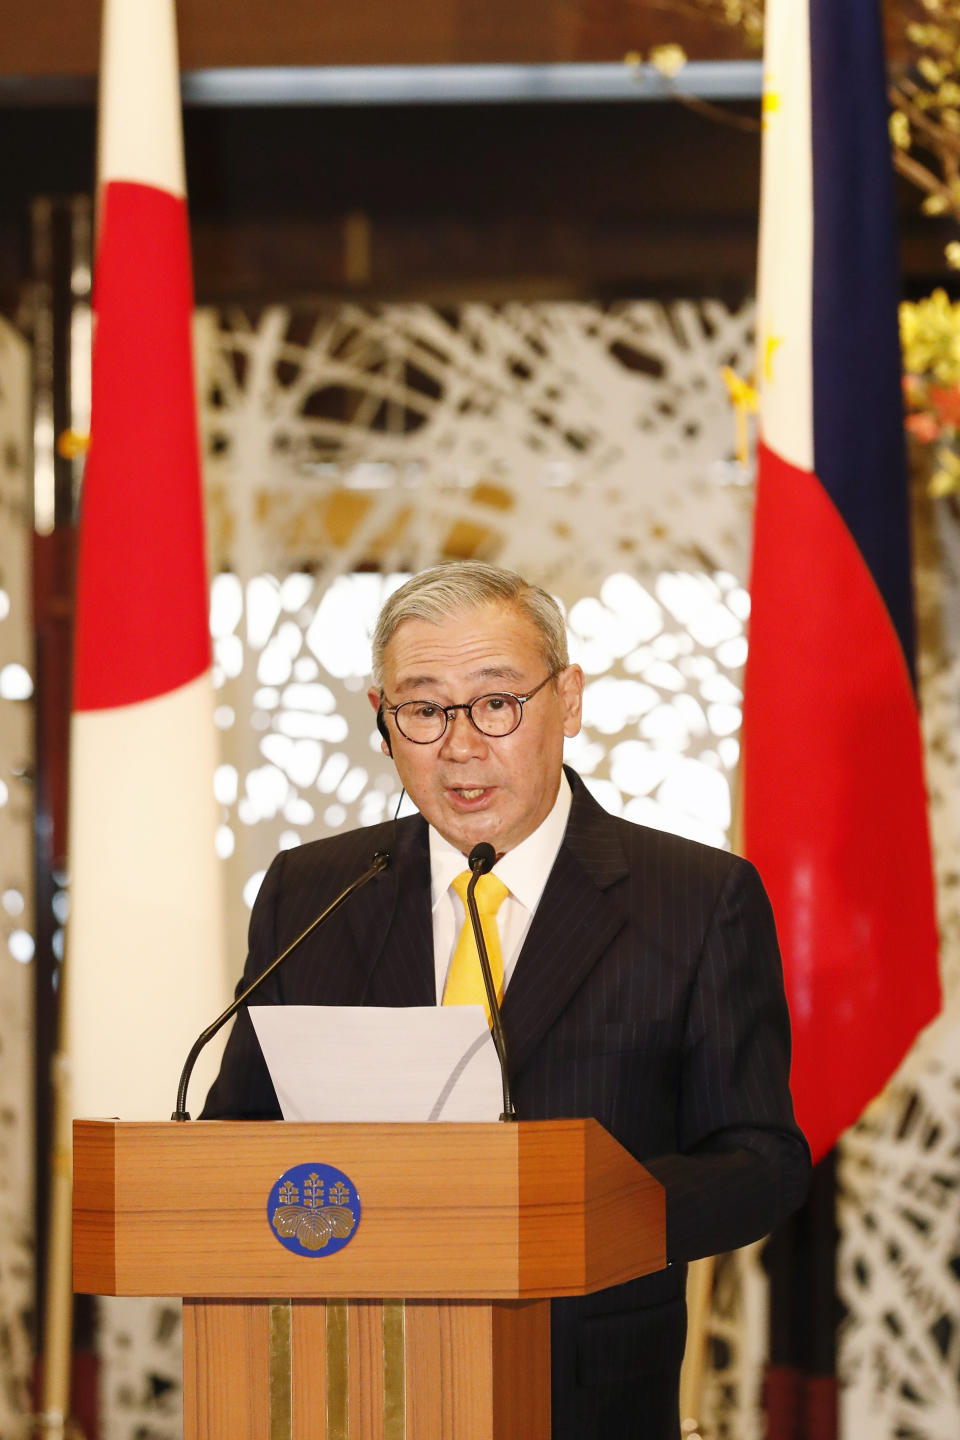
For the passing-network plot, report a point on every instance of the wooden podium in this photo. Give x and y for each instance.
(465, 1230)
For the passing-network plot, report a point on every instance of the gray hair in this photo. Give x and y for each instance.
(463, 585)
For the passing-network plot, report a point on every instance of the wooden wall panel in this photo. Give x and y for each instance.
(485, 202)
(49, 37)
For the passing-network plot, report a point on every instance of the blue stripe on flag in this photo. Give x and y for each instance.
(859, 452)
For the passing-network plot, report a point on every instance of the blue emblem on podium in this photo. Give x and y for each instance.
(314, 1210)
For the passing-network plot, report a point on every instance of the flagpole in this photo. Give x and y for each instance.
(58, 1300)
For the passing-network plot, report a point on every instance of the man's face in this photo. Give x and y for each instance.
(469, 786)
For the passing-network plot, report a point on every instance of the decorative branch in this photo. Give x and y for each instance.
(924, 90)
(743, 15)
(903, 94)
(918, 174)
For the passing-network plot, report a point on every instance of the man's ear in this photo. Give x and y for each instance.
(376, 700)
(570, 690)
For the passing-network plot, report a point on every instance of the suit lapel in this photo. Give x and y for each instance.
(579, 914)
(394, 934)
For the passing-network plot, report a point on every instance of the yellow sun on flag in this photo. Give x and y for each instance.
(771, 343)
(769, 105)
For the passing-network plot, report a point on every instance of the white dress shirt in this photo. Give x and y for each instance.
(523, 870)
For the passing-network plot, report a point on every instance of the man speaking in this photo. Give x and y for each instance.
(640, 973)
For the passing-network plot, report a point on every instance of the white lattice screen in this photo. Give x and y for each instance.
(583, 446)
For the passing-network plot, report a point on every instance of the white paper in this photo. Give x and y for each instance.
(352, 1062)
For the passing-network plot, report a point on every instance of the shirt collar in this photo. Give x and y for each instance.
(523, 870)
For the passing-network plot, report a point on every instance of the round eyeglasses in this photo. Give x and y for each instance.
(494, 715)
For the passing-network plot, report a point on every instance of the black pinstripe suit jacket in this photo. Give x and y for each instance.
(648, 994)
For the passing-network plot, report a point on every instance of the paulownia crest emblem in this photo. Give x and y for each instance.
(314, 1209)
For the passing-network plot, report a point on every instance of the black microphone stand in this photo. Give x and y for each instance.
(380, 862)
(481, 860)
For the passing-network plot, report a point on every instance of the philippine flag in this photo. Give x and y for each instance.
(145, 964)
(834, 801)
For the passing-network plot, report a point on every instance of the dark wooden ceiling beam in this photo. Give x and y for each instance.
(495, 259)
(50, 37)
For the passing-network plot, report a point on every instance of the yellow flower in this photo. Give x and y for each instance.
(930, 337)
(900, 130)
(947, 479)
(931, 37)
(668, 59)
(931, 70)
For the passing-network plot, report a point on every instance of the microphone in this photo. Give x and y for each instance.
(380, 862)
(481, 860)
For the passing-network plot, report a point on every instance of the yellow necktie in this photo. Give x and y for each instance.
(465, 978)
